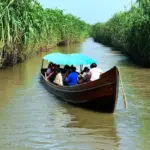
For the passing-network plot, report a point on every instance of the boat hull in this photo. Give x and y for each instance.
(99, 95)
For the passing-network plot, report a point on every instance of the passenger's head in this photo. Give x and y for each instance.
(66, 66)
(73, 69)
(93, 65)
(54, 65)
(50, 64)
(86, 69)
(53, 68)
(57, 66)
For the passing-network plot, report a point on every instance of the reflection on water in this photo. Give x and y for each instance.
(31, 117)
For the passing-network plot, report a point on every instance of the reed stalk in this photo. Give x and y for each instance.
(25, 23)
(129, 32)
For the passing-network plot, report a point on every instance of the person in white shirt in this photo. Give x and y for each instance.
(95, 72)
(58, 79)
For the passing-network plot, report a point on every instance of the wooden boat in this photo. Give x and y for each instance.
(99, 95)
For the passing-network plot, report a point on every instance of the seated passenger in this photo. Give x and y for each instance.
(65, 69)
(65, 74)
(72, 77)
(85, 75)
(47, 73)
(58, 79)
(54, 73)
(50, 76)
(95, 72)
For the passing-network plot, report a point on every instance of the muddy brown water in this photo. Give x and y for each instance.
(32, 118)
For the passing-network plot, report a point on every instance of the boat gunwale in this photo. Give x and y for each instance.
(77, 90)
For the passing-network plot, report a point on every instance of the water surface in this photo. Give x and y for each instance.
(32, 118)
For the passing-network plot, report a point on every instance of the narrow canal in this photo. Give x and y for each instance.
(32, 118)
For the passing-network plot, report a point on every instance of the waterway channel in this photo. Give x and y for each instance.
(32, 118)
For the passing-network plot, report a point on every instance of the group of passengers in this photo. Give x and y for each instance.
(68, 76)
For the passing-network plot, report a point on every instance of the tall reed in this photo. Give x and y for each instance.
(129, 31)
(25, 26)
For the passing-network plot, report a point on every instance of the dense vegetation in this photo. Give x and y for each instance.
(25, 26)
(129, 31)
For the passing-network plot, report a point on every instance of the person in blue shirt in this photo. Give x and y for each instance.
(72, 77)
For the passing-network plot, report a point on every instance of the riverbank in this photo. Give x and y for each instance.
(32, 50)
(26, 31)
(129, 32)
